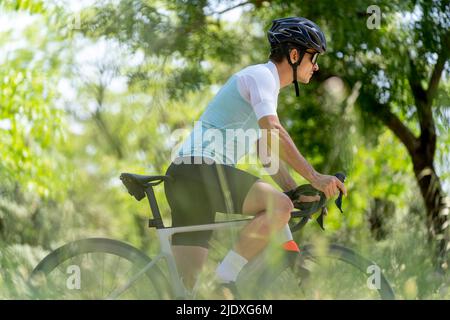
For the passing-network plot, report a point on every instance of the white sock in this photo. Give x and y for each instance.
(229, 268)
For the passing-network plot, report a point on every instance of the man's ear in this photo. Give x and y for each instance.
(294, 55)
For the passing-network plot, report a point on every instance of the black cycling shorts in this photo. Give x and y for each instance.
(196, 193)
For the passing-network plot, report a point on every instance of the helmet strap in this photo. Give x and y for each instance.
(294, 67)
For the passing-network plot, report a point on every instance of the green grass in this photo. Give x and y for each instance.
(404, 256)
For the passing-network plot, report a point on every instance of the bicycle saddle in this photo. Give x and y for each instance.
(136, 183)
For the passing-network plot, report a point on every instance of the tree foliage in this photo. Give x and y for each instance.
(78, 106)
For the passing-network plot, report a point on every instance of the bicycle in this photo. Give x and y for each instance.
(61, 273)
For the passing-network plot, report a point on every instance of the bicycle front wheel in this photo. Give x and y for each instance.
(94, 269)
(334, 272)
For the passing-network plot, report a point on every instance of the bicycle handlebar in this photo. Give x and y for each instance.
(307, 209)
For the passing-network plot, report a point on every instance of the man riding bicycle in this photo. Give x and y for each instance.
(248, 101)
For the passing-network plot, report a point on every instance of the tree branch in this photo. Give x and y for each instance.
(117, 147)
(438, 68)
(424, 98)
(98, 118)
(417, 89)
(405, 135)
(424, 112)
(232, 8)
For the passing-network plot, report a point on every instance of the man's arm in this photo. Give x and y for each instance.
(288, 151)
(283, 178)
(290, 154)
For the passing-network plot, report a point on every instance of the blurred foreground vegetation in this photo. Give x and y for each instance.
(90, 92)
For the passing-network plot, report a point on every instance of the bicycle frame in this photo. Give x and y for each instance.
(175, 283)
(164, 236)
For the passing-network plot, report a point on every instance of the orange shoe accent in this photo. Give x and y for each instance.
(291, 246)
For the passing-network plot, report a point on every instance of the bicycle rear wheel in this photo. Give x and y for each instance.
(93, 269)
(335, 272)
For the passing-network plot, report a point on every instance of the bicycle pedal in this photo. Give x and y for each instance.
(300, 268)
(228, 290)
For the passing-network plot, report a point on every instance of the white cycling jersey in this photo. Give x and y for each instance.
(228, 128)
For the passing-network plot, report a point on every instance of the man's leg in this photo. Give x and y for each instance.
(272, 209)
(190, 260)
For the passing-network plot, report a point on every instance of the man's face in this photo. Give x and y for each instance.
(306, 68)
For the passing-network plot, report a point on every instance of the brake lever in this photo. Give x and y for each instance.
(319, 220)
(338, 202)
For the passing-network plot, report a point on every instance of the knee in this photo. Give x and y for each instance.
(283, 209)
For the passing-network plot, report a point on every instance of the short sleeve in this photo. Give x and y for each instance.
(260, 90)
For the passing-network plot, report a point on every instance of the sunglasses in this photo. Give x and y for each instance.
(314, 57)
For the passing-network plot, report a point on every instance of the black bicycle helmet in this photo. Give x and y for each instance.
(302, 33)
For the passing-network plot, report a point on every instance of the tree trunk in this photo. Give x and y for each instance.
(437, 209)
(379, 217)
(422, 151)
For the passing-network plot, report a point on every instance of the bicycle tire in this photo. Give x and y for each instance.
(99, 245)
(265, 280)
(347, 255)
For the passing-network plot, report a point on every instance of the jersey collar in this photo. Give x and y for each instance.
(273, 68)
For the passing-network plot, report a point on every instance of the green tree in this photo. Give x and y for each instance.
(31, 124)
(397, 71)
(392, 74)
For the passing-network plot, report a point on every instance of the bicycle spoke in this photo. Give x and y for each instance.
(334, 279)
(99, 271)
(113, 287)
(103, 273)
(337, 273)
(128, 275)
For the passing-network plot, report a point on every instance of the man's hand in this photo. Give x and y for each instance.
(329, 185)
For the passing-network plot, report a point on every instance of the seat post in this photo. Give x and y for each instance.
(156, 222)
